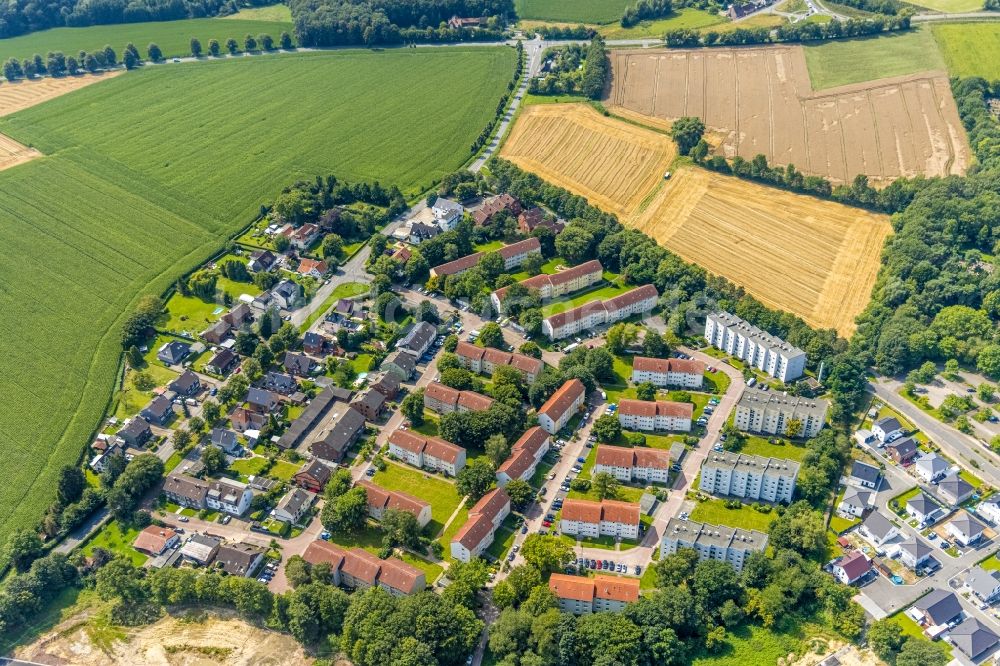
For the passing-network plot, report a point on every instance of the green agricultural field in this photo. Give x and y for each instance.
(173, 37)
(688, 18)
(574, 11)
(146, 176)
(268, 13)
(841, 62)
(970, 49)
(952, 6)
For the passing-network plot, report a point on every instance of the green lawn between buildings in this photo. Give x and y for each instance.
(111, 538)
(440, 494)
(714, 511)
(125, 207)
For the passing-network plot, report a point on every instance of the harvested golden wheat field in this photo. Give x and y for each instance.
(15, 97)
(761, 100)
(613, 164)
(13, 153)
(817, 259)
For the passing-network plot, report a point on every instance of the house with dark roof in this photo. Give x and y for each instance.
(493, 206)
(386, 383)
(287, 294)
(262, 261)
(936, 608)
(294, 505)
(174, 352)
(239, 316)
(313, 476)
(400, 364)
(187, 384)
(222, 362)
(922, 507)
(965, 528)
(200, 548)
(954, 489)
(855, 502)
(298, 364)
(418, 340)
(370, 403)
(930, 467)
(345, 429)
(915, 553)
(136, 432)
(225, 439)
(314, 343)
(281, 383)
(261, 400)
(864, 475)
(975, 639)
(239, 559)
(902, 451)
(217, 332)
(887, 429)
(878, 530)
(159, 411)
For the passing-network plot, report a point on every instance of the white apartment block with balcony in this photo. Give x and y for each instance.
(712, 542)
(770, 412)
(748, 476)
(759, 348)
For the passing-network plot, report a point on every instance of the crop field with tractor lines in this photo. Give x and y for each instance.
(817, 259)
(144, 176)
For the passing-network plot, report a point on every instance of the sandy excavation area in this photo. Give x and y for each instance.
(760, 99)
(815, 258)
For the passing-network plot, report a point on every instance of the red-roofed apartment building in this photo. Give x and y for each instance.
(478, 531)
(589, 315)
(651, 416)
(360, 570)
(580, 595)
(445, 399)
(513, 255)
(525, 455)
(560, 408)
(639, 464)
(380, 500)
(683, 372)
(558, 284)
(597, 519)
(427, 452)
(484, 360)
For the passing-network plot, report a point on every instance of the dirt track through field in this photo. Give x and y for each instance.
(21, 95)
(814, 258)
(761, 100)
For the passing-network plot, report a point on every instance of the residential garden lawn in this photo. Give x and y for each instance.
(131, 400)
(602, 292)
(973, 480)
(969, 49)
(625, 494)
(362, 363)
(574, 11)
(346, 290)
(717, 382)
(246, 467)
(991, 563)
(541, 472)
(440, 494)
(126, 207)
(173, 37)
(446, 536)
(760, 446)
(902, 498)
(910, 628)
(492, 246)
(715, 512)
(190, 315)
(840, 62)
(293, 412)
(279, 12)
(689, 18)
(111, 538)
(284, 470)
(548, 268)
(840, 525)
(649, 580)
(429, 428)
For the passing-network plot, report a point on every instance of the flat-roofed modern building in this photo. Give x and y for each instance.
(657, 415)
(716, 542)
(686, 373)
(770, 412)
(759, 348)
(749, 476)
(581, 595)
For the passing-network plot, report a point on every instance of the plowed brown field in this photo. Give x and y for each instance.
(814, 258)
(761, 100)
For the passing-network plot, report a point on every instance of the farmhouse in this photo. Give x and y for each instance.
(655, 415)
(680, 372)
(380, 500)
(760, 349)
(477, 533)
(597, 519)
(427, 452)
(749, 476)
(484, 360)
(581, 595)
(717, 542)
(524, 457)
(561, 406)
(779, 414)
(633, 464)
(513, 255)
(445, 400)
(594, 313)
(559, 284)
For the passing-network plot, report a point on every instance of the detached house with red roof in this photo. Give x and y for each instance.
(430, 453)
(653, 416)
(596, 519)
(560, 408)
(445, 400)
(525, 455)
(851, 568)
(681, 372)
(581, 595)
(638, 464)
(477, 533)
(595, 313)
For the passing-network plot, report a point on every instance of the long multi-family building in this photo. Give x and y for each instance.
(430, 453)
(359, 570)
(759, 348)
(444, 399)
(716, 542)
(558, 284)
(686, 373)
(513, 255)
(638, 464)
(770, 413)
(561, 406)
(232, 497)
(524, 457)
(656, 415)
(484, 360)
(381, 500)
(749, 476)
(581, 595)
(596, 519)
(635, 301)
(477, 533)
